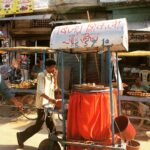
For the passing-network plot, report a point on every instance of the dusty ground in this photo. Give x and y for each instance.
(8, 131)
(11, 122)
(143, 136)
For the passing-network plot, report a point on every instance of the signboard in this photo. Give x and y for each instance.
(113, 33)
(7, 7)
(139, 37)
(40, 4)
(24, 6)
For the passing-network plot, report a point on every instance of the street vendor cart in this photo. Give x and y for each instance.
(92, 108)
(136, 104)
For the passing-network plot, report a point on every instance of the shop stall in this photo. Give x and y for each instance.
(24, 90)
(135, 102)
(92, 108)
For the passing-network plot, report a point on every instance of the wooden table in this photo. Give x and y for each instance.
(135, 98)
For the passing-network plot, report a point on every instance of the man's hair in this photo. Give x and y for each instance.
(50, 62)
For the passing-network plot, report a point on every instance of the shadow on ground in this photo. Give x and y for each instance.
(15, 147)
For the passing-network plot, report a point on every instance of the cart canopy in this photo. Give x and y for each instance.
(91, 37)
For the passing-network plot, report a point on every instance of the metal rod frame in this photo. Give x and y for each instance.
(80, 68)
(43, 67)
(118, 86)
(64, 142)
(91, 145)
(111, 97)
(63, 98)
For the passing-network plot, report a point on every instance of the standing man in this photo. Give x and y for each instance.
(24, 65)
(5, 91)
(46, 84)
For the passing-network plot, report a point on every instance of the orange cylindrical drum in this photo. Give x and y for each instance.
(124, 128)
(89, 117)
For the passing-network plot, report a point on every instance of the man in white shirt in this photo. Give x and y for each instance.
(46, 85)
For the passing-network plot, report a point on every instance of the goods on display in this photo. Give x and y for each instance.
(25, 84)
(89, 86)
(138, 93)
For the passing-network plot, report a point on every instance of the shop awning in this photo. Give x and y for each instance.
(26, 49)
(2, 52)
(139, 26)
(29, 17)
(134, 53)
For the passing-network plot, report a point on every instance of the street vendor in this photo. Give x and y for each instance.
(46, 85)
(138, 86)
(15, 72)
(5, 92)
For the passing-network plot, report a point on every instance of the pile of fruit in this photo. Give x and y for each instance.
(138, 93)
(25, 84)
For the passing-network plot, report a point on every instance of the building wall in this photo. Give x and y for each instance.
(77, 9)
(136, 14)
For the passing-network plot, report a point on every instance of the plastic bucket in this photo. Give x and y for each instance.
(133, 145)
(124, 128)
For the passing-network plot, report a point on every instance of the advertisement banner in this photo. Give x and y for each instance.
(7, 7)
(24, 6)
(87, 36)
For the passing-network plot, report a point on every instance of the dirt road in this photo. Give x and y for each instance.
(12, 124)
(8, 129)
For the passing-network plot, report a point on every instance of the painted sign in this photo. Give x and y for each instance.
(7, 7)
(24, 6)
(139, 37)
(40, 4)
(112, 33)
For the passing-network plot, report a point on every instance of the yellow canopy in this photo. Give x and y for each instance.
(134, 53)
(26, 49)
(1, 52)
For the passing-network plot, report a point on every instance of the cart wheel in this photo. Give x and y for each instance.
(28, 100)
(29, 110)
(47, 144)
(131, 109)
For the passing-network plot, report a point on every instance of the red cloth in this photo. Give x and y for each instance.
(89, 117)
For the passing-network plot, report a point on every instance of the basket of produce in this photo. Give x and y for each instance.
(138, 93)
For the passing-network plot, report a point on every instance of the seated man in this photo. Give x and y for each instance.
(4, 71)
(15, 75)
(138, 86)
(6, 93)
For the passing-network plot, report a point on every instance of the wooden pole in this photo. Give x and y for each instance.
(95, 56)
